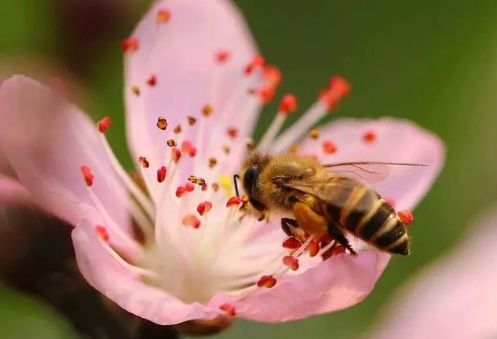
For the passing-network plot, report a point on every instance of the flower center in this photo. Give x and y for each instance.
(197, 241)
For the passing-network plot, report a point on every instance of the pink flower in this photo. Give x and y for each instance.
(455, 297)
(194, 86)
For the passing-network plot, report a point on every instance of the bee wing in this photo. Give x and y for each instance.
(367, 171)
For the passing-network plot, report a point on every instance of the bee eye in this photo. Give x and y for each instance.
(250, 179)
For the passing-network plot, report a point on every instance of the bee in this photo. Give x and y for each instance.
(325, 199)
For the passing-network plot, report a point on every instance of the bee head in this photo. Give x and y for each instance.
(251, 171)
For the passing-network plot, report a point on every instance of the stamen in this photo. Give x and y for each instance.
(369, 137)
(180, 191)
(175, 154)
(406, 217)
(171, 143)
(207, 110)
(212, 162)
(191, 220)
(102, 233)
(291, 243)
(257, 61)
(233, 201)
(313, 248)
(88, 175)
(204, 207)
(130, 45)
(328, 100)
(162, 123)
(191, 120)
(104, 124)
(188, 148)
(152, 80)
(161, 174)
(229, 309)
(266, 281)
(222, 56)
(287, 105)
(232, 132)
(136, 90)
(314, 133)
(189, 187)
(291, 262)
(144, 162)
(163, 16)
(329, 147)
(177, 129)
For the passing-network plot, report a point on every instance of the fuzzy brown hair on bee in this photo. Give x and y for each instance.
(322, 201)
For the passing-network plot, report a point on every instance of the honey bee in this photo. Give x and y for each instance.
(325, 198)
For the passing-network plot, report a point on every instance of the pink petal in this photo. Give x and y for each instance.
(120, 285)
(12, 192)
(46, 140)
(395, 140)
(181, 55)
(337, 283)
(456, 297)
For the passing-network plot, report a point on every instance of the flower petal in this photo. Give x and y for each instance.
(455, 297)
(181, 54)
(12, 192)
(120, 285)
(337, 283)
(390, 140)
(46, 140)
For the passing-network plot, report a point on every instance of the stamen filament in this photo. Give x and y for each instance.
(144, 201)
(272, 131)
(298, 129)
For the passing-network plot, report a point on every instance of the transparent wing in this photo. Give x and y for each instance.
(367, 171)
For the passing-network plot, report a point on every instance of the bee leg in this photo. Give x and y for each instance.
(287, 224)
(339, 237)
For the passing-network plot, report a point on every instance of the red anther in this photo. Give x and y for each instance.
(191, 220)
(288, 104)
(369, 137)
(329, 147)
(340, 85)
(229, 309)
(272, 76)
(175, 154)
(143, 162)
(102, 233)
(161, 123)
(325, 240)
(130, 45)
(338, 250)
(257, 61)
(163, 16)
(161, 174)
(104, 124)
(87, 174)
(232, 132)
(180, 191)
(291, 262)
(266, 281)
(406, 217)
(223, 56)
(177, 129)
(152, 81)
(188, 148)
(267, 94)
(313, 248)
(291, 243)
(189, 187)
(204, 207)
(233, 201)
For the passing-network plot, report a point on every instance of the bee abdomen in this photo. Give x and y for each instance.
(366, 215)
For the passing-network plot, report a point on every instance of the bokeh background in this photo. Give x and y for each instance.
(434, 62)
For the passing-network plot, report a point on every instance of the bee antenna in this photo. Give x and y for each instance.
(236, 177)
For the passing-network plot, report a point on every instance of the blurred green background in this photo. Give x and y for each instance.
(432, 62)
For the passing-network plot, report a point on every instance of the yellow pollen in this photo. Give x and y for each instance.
(226, 183)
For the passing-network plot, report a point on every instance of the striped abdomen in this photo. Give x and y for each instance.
(362, 212)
